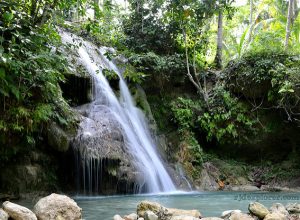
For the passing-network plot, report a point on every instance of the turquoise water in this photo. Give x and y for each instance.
(208, 203)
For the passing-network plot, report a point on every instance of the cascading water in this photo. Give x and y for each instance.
(132, 121)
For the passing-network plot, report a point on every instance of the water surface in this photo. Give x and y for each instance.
(208, 203)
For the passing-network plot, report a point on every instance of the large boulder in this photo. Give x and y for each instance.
(18, 212)
(144, 206)
(208, 177)
(149, 215)
(55, 207)
(293, 208)
(182, 212)
(3, 215)
(117, 217)
(279, 208)
(132, 216)
(228, 213)
(275, 216)
(258, 209)
(240, 216)
(294, 217)
(183, 217)
(100, 139)
(211, 218)
(163, 212)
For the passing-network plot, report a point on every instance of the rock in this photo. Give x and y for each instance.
(279, 208)
(77, 88)
(58, 139)
(163, 212)
(275, 216)
(181, 212)
(245, 188)
(18, 212)
(211, 218)
(228, 213)
(55, 206)
(293, 208)
(132, 216)
(117, 217)
(3, 215)
(140, 218)
(240, 216)
(100, 137)
(208, 177)
(149, 215)
(23, 177)
(294, 217)
(183, 217)
(148, 206)
(7, 197)
(258, 209)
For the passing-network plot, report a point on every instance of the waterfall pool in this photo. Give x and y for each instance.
(210, 204)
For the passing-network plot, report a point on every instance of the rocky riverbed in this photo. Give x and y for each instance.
(52, 207)
(61, 207)
(154, 211)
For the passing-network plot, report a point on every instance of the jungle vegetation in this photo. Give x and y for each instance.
(239, 60)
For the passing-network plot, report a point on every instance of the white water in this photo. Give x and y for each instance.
(140, 143)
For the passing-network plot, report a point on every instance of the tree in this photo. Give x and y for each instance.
(218, 58)
(289, 24)
(251, 20)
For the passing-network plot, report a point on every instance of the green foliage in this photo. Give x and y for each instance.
(145, 28)
(130, 74)
(31, 65)
(105, 28)
(151, 63)
(226, 121)
(110, 74)
(133, 76)
(184, 112)
(275, 75)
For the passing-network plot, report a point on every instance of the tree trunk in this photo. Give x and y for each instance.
(288, 24)
(218, 58)
(251, 21)
(296, 11)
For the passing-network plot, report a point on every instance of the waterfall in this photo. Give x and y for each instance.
(131, 119)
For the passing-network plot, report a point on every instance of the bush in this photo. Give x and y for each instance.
(31, 65)
(274, 75)
(227, 121)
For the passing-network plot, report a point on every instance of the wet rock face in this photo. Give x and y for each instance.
(31, 173)
(103, 164)
(77, 89)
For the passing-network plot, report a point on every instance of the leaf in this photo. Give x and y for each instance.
(3, 92)
(2, 73)
(8, 16)
(15, 91)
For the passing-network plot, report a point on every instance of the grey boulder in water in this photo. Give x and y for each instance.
(258, 209)
(55, 207)
(3, 215)
(163, 212)
(18, 212)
